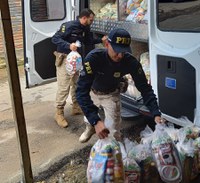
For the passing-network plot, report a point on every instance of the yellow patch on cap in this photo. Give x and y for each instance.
(123, 40)
(117, 74)
(88, 68)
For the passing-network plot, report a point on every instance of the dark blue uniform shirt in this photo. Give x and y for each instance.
(70, 32)
(102, 74)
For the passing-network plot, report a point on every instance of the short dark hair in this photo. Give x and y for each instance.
(86, 12)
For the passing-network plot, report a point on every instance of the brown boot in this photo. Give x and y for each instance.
(76, 109)
(60, 119)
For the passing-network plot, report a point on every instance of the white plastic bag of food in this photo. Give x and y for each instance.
(105, 163)
(131, 168)
(73, 62)
(166, 156)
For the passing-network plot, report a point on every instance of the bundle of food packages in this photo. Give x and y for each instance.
(132, 170)
(166, 154)
(189, 151)
(108, 12)
(176, 152)
(142, 155)
(73, 61)
(105, 163)
(137, 10)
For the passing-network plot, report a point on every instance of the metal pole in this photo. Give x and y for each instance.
(15, 90)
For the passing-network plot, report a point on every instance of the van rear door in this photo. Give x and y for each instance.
(174, 43)
(42, 18)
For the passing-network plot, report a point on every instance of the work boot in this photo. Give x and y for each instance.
(87, 134)
(60, 119)
(76, 109)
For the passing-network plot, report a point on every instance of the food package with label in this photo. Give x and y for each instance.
(166, 156)
(137, 10)
(132, 170)
(105, 163)
(188, 151)
(143, 156)
(132, 4)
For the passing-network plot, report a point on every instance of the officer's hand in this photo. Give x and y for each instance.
(73, 47)
(101, 130)
(159, 119)
(104, 38)
(123, 85)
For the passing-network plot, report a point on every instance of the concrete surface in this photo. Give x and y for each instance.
(48, 143)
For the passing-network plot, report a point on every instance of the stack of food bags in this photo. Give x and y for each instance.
(105, 163)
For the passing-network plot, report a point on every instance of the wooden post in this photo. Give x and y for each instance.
(15, 90)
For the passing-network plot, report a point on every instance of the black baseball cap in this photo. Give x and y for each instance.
(120, 40)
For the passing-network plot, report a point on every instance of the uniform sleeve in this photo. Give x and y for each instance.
(59, 38)
(90, 39)
(83, 93)
(96, 40)
(146, 90)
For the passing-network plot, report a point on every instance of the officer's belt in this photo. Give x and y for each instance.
(103, 92)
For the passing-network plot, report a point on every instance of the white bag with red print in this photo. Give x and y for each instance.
(73, 62)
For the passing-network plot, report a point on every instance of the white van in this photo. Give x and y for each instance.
(170, 30)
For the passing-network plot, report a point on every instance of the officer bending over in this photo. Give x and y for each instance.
(98, 85)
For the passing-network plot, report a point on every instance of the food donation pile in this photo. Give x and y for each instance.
(165, 155)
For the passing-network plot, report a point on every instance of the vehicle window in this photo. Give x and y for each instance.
(47, 10)
(179, 15)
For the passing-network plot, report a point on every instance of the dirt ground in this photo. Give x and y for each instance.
(74, 169)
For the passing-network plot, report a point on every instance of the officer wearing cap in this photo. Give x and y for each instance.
(99, 81)
(65, 40)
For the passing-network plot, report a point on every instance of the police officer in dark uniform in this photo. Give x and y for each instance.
(65, 39)
(99, 81)
(72, 31)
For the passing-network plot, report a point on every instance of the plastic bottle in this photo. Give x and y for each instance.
(154, 175)
(118, 169)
